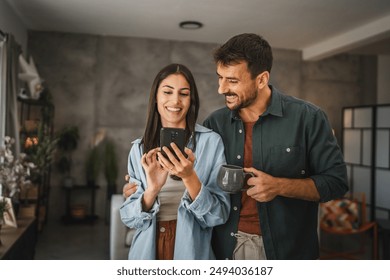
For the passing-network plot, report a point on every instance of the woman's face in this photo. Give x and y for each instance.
(173, 101)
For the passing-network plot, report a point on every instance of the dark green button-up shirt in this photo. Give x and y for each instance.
(292, 139)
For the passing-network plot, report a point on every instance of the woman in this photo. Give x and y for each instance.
(177, 201)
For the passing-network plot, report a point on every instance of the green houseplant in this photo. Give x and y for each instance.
(92, 165)
(42, 155)
(94, 158)
(67, 142)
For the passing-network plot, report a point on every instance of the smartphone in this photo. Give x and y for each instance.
(169, 135)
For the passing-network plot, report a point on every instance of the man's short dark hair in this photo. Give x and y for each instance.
(247, 47)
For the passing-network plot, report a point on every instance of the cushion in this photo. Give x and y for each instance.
(340, 214)
(129, 236)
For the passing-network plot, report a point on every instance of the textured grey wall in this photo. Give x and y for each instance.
(104, 82)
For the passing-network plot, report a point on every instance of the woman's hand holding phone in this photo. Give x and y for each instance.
(182, 167)
(177, 163)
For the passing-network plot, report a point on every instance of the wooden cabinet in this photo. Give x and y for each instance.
(36, 133)
(19, 243)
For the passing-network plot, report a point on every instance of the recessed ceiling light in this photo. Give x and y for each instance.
(190, 24)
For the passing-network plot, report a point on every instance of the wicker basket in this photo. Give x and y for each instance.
(79, 211)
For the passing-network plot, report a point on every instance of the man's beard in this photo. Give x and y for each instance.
(244, 103)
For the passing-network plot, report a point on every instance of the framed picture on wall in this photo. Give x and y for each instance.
(8, 213)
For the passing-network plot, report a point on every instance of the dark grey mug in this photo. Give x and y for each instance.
(232, 178)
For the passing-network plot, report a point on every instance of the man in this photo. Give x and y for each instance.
(287, 144)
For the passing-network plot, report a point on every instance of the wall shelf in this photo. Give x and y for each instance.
(36, 125)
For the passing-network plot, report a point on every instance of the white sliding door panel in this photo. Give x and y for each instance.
(382, 148)
(362, 181)
(362, 118)
(383, 117)
(383, 188)
(353, 149)
(367, 140)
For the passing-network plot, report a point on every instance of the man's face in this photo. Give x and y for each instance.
(236, 84)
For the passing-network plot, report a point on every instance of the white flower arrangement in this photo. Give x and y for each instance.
(14, 173)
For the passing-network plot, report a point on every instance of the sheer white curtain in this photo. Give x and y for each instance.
(3, 77)
(12, 126)
(9, 88)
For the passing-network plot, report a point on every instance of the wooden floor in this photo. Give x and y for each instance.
(91, 242)
(58, 241)
(361, 244)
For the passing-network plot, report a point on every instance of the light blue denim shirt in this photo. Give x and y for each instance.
(195, 219)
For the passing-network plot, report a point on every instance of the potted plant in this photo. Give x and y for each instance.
(67, 142)
(42, 155)
(92, 166)
(93, 158)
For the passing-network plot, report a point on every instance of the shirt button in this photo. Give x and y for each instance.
(303, 172)
(238, 157)
(240, 131)
(162, 229)
(235, 208)
(288, 150)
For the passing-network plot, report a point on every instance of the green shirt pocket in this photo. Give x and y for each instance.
(286, 161)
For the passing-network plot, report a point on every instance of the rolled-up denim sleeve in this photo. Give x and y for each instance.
(131, 212)
(211, 207)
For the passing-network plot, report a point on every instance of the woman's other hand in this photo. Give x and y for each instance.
(129, 188)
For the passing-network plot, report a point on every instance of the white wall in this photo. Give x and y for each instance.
(383, 79)
(11, 23)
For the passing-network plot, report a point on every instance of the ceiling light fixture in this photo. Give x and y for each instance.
(190, 25)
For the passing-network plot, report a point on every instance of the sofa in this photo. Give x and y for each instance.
(120, 235)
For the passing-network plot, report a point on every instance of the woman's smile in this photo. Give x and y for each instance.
(173, 109)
